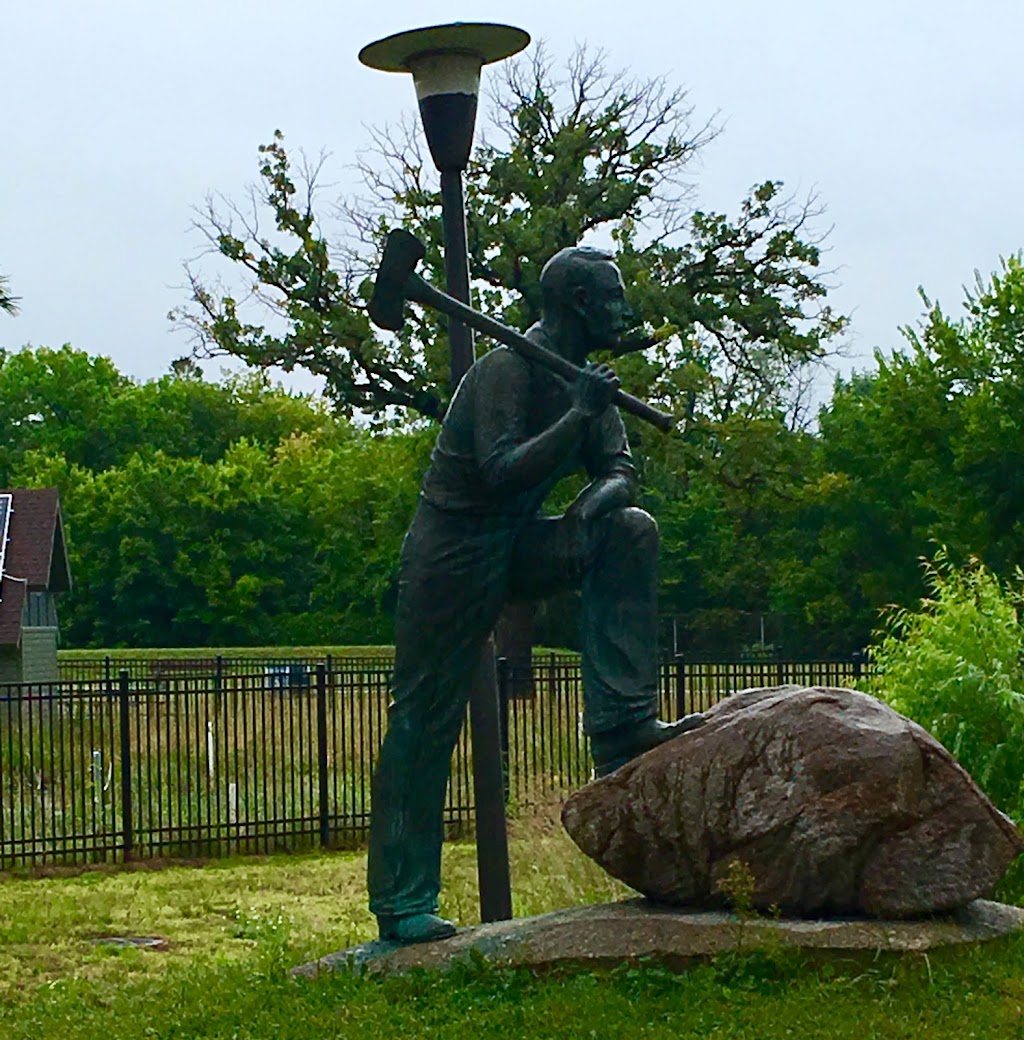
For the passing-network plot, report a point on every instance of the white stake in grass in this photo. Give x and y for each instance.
(97, 778)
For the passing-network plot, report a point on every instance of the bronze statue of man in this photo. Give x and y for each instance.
(512, 431)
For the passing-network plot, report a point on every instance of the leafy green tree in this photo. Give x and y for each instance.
(871, 506)
(980, 359)
(733, 307)
(204, 513)
(924, 451)
(732, 311)
(69, 404)
(56, 401)
(292, 543)
(731, 521)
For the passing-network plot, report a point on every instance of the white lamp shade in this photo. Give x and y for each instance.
(451, 73)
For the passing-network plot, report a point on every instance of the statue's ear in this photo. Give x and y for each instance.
(579, 299)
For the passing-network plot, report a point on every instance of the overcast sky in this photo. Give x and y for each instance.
(119, 117)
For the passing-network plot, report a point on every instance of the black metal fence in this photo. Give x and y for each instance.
(216, 756)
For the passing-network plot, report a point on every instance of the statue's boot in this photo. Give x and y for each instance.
(415, 928)
(613, 749)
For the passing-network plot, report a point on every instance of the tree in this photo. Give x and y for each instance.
(57, 402)
(733, 308)
(924, 451)
(293, 542)
(70, 404)
(8, 303)
(206, 513)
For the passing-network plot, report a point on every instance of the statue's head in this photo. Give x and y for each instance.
(583, 286)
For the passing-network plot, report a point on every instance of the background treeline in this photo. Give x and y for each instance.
(233, 512)
(202, 513)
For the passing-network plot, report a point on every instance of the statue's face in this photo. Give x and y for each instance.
(602, 305)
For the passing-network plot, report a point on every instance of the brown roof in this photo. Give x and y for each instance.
(35, 553)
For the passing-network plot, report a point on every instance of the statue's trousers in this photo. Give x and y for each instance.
(456, 573)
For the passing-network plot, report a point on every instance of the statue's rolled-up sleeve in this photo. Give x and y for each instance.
(606, 449)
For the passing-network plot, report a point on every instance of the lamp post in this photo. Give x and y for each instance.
(445, 62)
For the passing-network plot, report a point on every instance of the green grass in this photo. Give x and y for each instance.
(234, 928)
(963, 996)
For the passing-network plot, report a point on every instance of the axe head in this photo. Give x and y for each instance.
(402, 252)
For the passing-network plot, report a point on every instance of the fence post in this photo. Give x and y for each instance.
(126, 768)
(106, 670)
(680, 683)
(858, 663)
(504, 681)
(321, 752)
(218, 689)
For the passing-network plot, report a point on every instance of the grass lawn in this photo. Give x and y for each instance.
(232, 929)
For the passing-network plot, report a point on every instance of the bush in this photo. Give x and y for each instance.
(955, 667)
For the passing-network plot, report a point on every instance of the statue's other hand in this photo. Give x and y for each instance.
(594, 389)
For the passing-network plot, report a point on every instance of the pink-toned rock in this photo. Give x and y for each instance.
(836, 804)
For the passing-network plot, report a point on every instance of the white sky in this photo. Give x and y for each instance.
(119, 117)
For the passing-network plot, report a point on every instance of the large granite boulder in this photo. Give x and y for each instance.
(836, 804)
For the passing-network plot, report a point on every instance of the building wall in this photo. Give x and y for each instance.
(39, 655)
(40, 637)
(10, 664)
(40, 610)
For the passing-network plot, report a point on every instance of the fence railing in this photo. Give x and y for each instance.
(238, 756)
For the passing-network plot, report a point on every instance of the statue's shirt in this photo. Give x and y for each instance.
(503, 402)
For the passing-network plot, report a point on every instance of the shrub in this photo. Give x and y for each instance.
(955, 667)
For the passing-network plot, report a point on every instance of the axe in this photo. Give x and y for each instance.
(397, 282)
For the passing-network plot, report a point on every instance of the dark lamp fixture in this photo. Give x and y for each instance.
(445, 63)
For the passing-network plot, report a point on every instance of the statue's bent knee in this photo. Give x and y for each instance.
(634, 526)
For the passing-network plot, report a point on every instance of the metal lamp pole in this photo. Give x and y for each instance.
(445, 63)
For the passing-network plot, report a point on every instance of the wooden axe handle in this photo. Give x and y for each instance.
(421, 291)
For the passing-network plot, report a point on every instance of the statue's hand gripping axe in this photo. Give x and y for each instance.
(398, 282)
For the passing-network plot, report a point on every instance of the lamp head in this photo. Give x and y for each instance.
(445, 62)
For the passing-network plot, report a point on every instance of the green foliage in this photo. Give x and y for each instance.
(956, 666)
(925, 450)
(731, 309)
(737, 885)
(296, 543)
(70, 405)
(736, 513)
(737, 302)
(202, 513)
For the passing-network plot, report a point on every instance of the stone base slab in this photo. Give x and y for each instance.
(611, 933)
